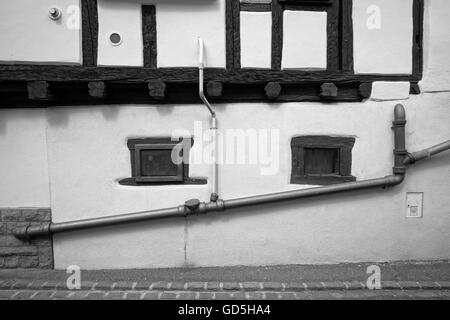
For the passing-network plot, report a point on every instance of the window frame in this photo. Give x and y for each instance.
(136, 145)
(298, 171)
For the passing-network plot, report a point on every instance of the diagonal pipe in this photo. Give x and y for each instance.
(195, 207)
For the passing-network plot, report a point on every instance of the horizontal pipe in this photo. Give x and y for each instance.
(194, 206)
(388, 181)
(412, 158)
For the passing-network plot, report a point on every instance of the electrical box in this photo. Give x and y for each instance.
(414, 205)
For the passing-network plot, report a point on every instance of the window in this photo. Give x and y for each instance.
(321, 160)
(160, 161)
(305, 35)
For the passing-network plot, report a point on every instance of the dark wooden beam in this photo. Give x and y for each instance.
(89, 18)
(272, 90)
(328, 90)
(157, 90)
(214, 89)
(277, 34)
(97, 89)
(149, 36)
(38, 90)
(190, 75)
(365, 90)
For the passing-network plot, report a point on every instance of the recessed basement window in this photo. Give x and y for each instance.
(160, 161)
(321, 160)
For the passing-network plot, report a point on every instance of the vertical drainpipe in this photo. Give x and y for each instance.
(400, 152)
(214, 180)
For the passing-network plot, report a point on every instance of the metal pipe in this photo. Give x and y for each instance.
(388, 181)
(215, 175)
(194, 206)
(412, 158)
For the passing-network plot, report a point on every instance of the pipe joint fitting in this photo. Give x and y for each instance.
(29, 231)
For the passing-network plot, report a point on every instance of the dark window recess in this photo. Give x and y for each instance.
(321, 160)
(152, 164)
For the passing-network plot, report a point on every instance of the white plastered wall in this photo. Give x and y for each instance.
(383, 34)
(28, 35)
(178, 25)
(87, 154)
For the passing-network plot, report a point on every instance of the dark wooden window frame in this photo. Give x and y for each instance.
(136, 146)
(343, 144)
(60, 85)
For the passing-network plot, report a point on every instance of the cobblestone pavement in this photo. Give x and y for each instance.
(399, 281)
(44, 290)
(230, 295)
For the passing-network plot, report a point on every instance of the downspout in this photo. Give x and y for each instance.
(195, 207)
(214, 179)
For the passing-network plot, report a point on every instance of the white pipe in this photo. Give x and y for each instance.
(214, 179)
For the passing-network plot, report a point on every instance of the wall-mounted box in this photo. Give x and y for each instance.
(414, 205)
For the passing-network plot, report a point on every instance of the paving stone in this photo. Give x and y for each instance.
(151, 295)
(168, 296)
(143, 285)
(287, 296)
(255, 295)
(314, 286)
(116, 295)
(251, 286)
(187, 295)
(223, 296)
(6, 294)
(431, 285)
(133, 295)
(390, 285)
(294, 286)
(354, 285)
(96, 295)
(213, 286)
(160, 285)
(43, 295)
(272, 286)
(123, 285)
(195, 286)
(23, 295)
(177, 286)
(62, 295)
(335, 285)
(231, 286)
(205, 295)
(409, 285)
(272, 296)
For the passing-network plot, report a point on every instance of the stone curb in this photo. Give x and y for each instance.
(221, 286)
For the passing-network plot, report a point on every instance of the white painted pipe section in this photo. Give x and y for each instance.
(201, 64)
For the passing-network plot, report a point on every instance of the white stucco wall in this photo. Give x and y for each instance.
(383, 34)
(256, 39)
(181, 23)
(80, 153)
(28, 35)
(23, 159)
(304, 40)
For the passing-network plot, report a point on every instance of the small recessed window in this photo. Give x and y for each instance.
(160, 161)
(321, 160)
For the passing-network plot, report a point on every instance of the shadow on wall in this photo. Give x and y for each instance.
(9, 116)
(60, 117)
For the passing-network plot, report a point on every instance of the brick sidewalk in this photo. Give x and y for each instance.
(402, 281)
